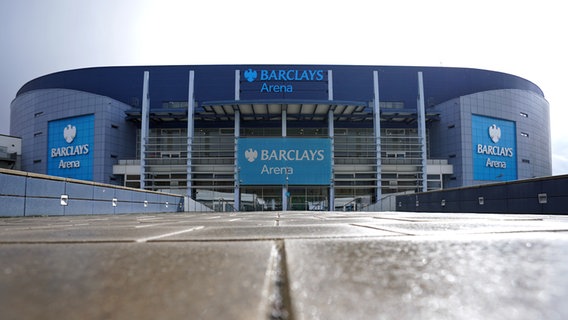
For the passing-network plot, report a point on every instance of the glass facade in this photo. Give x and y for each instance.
(354, 178)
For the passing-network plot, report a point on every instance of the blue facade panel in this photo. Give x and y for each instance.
(70, 145)
(494, 147)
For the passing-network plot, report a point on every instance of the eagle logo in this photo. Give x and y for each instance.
(250, 75)
(494, 133)
(69, 133)
(251, 155)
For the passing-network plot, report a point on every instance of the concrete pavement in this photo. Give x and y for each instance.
(284, 265)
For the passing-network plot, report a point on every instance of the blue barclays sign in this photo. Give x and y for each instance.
(494, 149)
(282, 80)
(70, 144)
(281, 161)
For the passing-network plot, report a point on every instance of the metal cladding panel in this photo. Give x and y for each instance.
(492, 192)
(103, 193)
(12, 206)
(124, 207)
(103, 207)
(524, 205)
(556, 188)
(79, 191)
(37, 187)
(524, 190)
(79, 206)
(44, 207)
(12, 185)
(124, 195)
(556, 205)
(138, 196)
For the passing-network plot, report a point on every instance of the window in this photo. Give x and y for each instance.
(174, 105)
(391, 105)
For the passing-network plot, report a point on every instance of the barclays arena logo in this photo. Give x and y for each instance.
(284, 75)
(250, 75)
(495, 133)
(69, 133)
(251, 155)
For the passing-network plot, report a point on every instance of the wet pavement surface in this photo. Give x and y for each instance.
(285, 265)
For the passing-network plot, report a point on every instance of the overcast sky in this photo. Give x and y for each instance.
(524, 38)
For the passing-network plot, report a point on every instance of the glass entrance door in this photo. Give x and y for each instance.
(269, 198)
(308, 198)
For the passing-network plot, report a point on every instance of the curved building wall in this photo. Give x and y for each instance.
(453, 137)
(87, 124)
(102, 136)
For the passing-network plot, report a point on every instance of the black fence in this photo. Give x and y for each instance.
(547, 195)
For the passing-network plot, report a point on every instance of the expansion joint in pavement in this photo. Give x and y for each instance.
(280, 307)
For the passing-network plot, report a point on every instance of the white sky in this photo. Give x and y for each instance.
(524, 38)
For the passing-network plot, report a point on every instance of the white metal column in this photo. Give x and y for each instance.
(144, 129)
(285, 186)
(377, 129)
(422, 130)
(190, 130)
(237, 129)
(330, 129)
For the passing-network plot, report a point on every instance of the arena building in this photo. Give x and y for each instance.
(272, 137)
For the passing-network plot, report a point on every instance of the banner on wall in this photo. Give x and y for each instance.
(70, 147)
(284, 161)
(494, 149)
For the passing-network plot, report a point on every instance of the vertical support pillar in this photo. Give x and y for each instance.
(422, 130)
(145, 127)
(237, 131)
(377, 132)
(285, 186)
(284, 125)
(237, 195)
(190, 131)
(330, 129)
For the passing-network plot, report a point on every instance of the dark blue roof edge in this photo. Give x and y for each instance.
(48, 82)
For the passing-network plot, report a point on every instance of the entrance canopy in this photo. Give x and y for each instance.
(343, 111)
(272, 110)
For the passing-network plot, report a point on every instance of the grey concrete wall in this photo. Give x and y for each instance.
(29, 194)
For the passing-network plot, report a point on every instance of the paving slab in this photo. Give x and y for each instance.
(134, 281)
(475, 277)
(285, 265)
